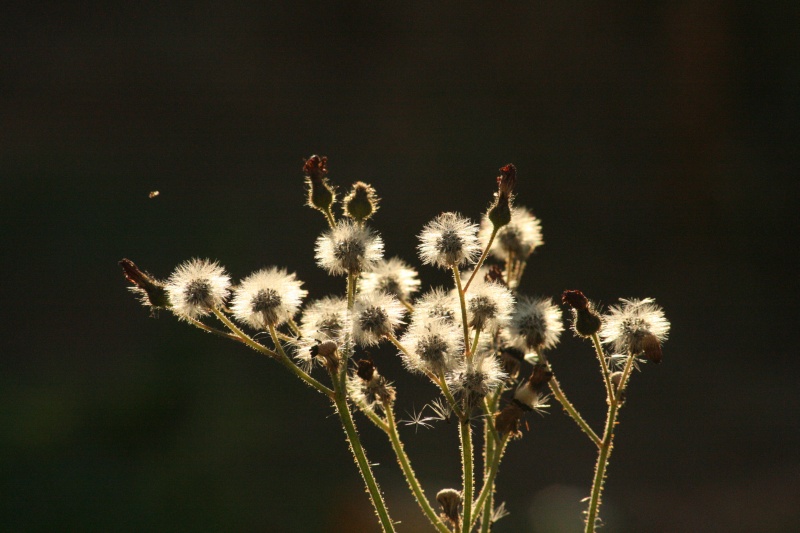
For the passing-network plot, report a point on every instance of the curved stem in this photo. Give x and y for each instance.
(605, 450)
(361, 461)
(212, 330)
(571, 411)
(408, 472)
(289, 364)
(601, 356)
(482, 259)
(465, 324)
(442, 382)
(465, 431)
(485, 496)
(475, 341)
(329, 217)
(294, 327)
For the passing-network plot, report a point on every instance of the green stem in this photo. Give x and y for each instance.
(571, 411)
(294, 327)
(487, 491)
(475, 341)
(605, 450)
(442, 382)
(408, 472)
(482, 259)
(465, 431)
(352, 279)
(329, 217)
(601, 356)
(465, 324)
(212, 330)
(361, 460)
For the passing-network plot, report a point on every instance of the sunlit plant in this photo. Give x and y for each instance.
(483, 345)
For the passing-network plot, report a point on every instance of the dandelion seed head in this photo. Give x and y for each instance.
(489, 305)
(449, 240)
(474, 380)
(269, 296)
(393, 277)
(519, 238)
(196, 287)
(536, 324)
(437, 303)
(434, 346)
(348, 248)
(635, 326)
(375, 315)
(325, 319)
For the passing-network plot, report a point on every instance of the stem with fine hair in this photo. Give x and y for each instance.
(465, 431)
(601, 356)
(483, 258)
(559, 395)
(605, 449)
(485, 496)
(408, 472)
(340, 400)
(462, 301)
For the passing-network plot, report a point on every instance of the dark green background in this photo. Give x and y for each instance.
(657, 142)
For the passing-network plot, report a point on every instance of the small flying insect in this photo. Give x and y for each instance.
(153, 194)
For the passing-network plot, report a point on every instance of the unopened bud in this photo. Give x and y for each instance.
(150, 289)
(500, 211)
(320, 193)
(586, 322)
(450, 500)
(362, 201)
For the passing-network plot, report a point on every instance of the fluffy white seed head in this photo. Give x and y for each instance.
(519, 237)
(324, 319)
(489, 305)
(438, 304)
(348, 248)
(536, 324)
(269, 296)
(434, 345)
(449, 240)
(375, 315)
(196, 287)
(393, 277)
(626, 326)
(476, 379)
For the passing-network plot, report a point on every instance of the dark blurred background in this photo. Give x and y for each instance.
(656, 141)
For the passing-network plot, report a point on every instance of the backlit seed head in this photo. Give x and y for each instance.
(449, 240)
(348, 248)
(196, 287)
(393, 277)
(536, 324)
(268, 297)
(375, 316)
(636, 327)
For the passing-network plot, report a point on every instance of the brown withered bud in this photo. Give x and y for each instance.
(540, 376)
(507, 421)
(616, 380)
(511, 358)
(320, 193)
(365, 369)
(500, 211)
(651, 348)
(586, 322)
(151, 291)
(316, 167)
(450, 500)
(328, 351)
(495, 275)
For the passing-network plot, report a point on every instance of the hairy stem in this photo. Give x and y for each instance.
(462, 301)
(482, 259)
(487, 491)
(601, 356)
(465, 431)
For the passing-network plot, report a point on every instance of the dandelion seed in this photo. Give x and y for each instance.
(348, 248)
(433, 346)
(268, 297)
(536, 324)
(375, 316)
(636, 327)
(449, 240)
(418, 420)
(196, 287)
(441, 409)
(393, 277)
(519, 238)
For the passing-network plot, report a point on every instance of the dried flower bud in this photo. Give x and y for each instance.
(500, 211)
(540, 376)
(651, 348)
(586, 322)
(362, 202)
(150, 290)
(365, 369)
(327, 350)
(450, 500)
(507, 420)
(511, 359)
(320, 193)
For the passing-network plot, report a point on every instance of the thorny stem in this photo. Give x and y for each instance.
(568, 407)
(352, 279)
(601, 356)
(482, 259)
(490, 439)
(329, 217)
(361, 461)
(465, 431)
(485, 497)
(605, 449)
(411, 478)
(457, 277)
(442, 382)
(280, 357)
